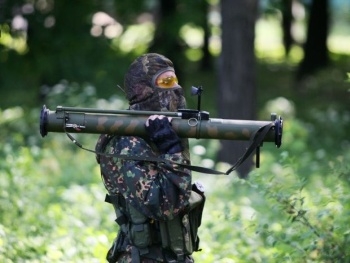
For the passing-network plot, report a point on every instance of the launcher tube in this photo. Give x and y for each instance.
(107, 123)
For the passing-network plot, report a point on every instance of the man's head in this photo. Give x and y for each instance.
(151, 84)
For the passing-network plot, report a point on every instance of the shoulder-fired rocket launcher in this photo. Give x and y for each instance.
(186, 123)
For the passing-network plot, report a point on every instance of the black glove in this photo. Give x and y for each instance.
(162, 134)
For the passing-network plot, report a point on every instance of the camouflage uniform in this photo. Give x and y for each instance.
(155, 189)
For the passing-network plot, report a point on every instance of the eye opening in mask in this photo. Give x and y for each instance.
(165, 79)
(167, 82)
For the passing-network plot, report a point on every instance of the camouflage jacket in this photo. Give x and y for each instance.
(158, 191)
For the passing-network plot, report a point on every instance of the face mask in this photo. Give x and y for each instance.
(146, 91)
(171, 100)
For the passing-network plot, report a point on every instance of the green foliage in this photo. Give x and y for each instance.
(48, 197)
(292, 209)
(289, 210)
(40, 220)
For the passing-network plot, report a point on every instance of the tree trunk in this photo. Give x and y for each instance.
(237, 89)
(315, 48)
(166, 39)
(287, 21)
(206, 63)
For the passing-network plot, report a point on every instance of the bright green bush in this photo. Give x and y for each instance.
(292, 209)
(51, 199)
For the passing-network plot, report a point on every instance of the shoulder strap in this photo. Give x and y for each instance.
(256, 142)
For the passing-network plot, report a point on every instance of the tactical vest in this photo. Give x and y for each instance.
(177, 237)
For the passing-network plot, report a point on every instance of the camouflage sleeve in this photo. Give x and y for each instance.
(158, 190)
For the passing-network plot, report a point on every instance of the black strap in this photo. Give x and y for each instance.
(256, 143)
(114, 199)
(257, 140)
(117, 202)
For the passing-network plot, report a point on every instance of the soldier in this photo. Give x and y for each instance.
(158, 209)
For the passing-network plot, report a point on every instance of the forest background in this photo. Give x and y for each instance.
(294, 208)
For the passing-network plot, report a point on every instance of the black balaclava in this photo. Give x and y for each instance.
(141, 90)
(142, 93)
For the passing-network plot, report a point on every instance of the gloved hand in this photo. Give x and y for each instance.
(160, 131)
